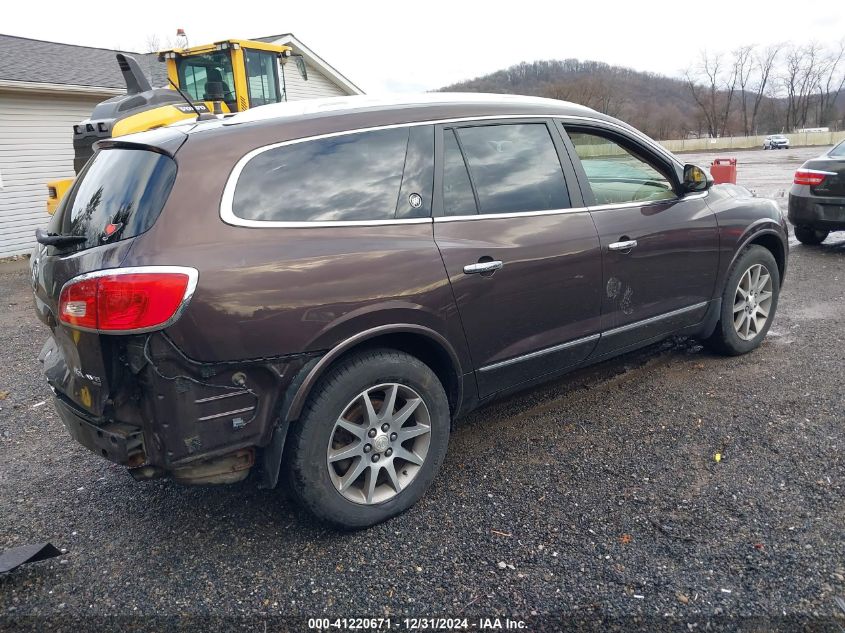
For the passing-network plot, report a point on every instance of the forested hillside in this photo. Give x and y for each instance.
(749, 92)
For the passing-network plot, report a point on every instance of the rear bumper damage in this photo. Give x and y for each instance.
(117, 442)
(168, 415)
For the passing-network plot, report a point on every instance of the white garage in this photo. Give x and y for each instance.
(47, 87)
(35, 147)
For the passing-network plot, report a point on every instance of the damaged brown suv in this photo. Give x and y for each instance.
(314, 293)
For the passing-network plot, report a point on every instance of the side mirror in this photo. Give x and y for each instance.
(696, 179)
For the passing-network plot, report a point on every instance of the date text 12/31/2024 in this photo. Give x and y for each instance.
(416, 624)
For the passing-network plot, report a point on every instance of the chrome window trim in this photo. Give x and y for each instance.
(628, 205)
(515, 214)
(647, 203)
(193, 278)
(540, 352)
(666, 315)
(260, 224)
(228, 216)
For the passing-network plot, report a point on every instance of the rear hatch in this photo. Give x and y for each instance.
(118, 195)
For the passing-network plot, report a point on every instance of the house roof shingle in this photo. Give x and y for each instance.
(37, 61)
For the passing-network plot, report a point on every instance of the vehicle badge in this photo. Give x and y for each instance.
(416, 200)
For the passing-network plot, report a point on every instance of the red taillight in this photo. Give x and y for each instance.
(126, 300)
(78, 304)
(811, 177)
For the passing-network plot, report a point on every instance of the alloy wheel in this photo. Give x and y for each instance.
(752, 302)
(379, 443)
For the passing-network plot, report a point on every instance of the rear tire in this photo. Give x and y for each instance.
(749, 303)
(348, 413)
(810, 236)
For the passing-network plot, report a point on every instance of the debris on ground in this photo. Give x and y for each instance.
(13, 558)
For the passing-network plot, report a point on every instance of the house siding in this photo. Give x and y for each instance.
(36, 131)
(317, 86)
(36, 146)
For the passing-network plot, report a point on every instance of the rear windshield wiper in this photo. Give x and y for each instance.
(54, 239)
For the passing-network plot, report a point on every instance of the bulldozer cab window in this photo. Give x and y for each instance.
(262, 73)
(197, 71)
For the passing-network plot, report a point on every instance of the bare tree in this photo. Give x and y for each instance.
(744, 64)
(712, 85)
(764, 62)
(704, 96)
(831, 82)
(801, 78)
(729, 87)
(153, 43)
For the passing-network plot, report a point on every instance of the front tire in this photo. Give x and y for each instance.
(370, 440)
(749, 302)
(810, 236)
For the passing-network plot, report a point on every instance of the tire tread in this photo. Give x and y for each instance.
(306, 492)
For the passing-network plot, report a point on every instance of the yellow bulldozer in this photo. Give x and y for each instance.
(205, 81)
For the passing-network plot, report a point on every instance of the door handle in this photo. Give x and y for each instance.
(483, 267)
(626, 245)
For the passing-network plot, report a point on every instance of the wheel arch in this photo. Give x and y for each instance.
(421, 342)
(771, 241)
(768, 237)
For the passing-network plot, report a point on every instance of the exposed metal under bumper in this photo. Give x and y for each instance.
(117, 442)
(226, 469)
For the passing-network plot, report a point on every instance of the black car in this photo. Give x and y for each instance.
(817, 197)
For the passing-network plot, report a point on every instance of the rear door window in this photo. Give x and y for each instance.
(351, 177)
(513, 167)
(119, 195)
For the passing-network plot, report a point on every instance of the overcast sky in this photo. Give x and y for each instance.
(408, 46)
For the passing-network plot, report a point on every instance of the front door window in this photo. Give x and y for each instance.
(616, 174)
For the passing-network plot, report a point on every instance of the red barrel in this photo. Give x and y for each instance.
(723, 170)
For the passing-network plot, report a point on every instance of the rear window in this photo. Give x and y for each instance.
(341, 178)
(839, 150)
(118, 195)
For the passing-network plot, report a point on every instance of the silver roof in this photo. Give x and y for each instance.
(340, 105)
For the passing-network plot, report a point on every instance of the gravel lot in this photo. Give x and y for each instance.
(595, 500)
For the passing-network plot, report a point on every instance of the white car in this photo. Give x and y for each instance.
(776, 141)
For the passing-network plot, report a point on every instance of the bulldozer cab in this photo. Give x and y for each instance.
(242, 73)
(223, 77)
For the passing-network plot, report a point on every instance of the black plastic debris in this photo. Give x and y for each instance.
(13, 558)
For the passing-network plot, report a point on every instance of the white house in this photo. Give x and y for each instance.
(47, 87)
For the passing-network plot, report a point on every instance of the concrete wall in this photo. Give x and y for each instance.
(801, 139)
